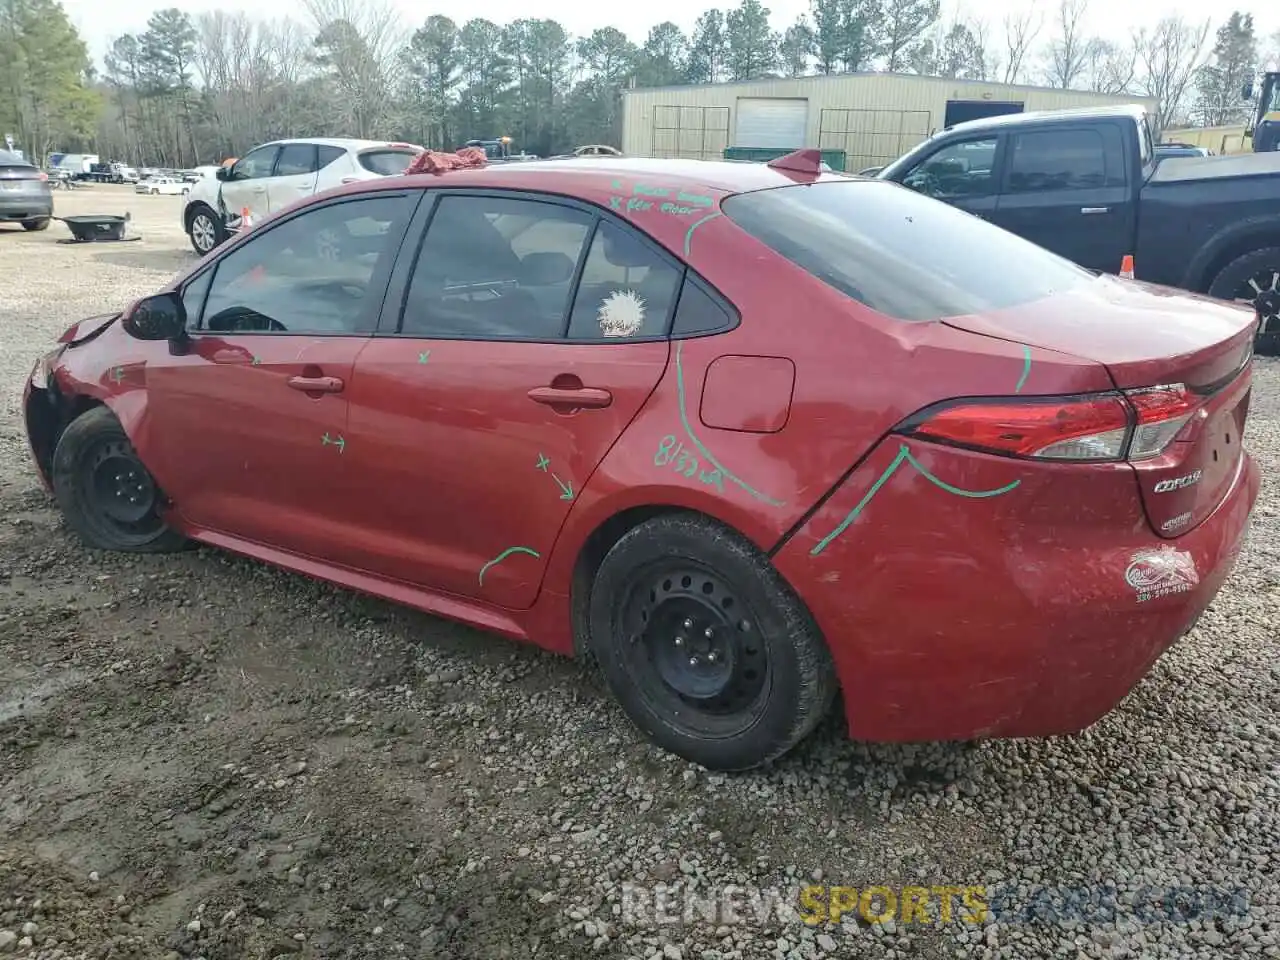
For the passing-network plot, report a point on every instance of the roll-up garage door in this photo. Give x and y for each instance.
(771, 122)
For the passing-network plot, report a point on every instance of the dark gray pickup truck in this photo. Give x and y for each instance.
(1087, 184)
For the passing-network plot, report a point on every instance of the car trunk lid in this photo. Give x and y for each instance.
(19, 178)
(1153, 337)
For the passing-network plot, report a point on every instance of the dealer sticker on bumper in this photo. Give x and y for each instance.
(1161, 571)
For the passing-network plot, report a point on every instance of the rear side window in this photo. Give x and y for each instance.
(899, 253)
(626, 289)
(1077, 159)
(328, 154)
(699, 311)
(388, 163)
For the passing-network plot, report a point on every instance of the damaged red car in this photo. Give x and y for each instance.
(749, 436)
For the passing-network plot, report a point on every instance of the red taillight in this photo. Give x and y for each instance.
(42, 175)
(1135, 425)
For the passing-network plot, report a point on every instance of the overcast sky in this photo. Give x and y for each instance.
(100, 22)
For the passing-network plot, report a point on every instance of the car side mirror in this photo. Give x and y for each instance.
(158, 317)
(223, 173)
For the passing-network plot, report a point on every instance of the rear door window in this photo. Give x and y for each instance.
(899, 253)
(296, 159)
(1083, 158)
(387, 163)
(328, 154)
(627, 288)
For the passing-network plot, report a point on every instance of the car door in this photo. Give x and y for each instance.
(1067, 189)
(246, 184)
(963, 173)
(248, 424)
(294, 176)
(482, 412)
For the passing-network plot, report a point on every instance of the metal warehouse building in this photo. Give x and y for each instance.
(871, 118)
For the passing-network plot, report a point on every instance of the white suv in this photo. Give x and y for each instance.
(277, 174)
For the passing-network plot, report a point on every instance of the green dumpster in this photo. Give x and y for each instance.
(835, 159)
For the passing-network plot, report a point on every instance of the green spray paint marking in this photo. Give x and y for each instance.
(707, 454)
(117, 374)
(503, 555)
(543, 463)
(340, 443)
(904, 456)
(566, 489)
(1026, 369)
(424, 356)
(688, 236)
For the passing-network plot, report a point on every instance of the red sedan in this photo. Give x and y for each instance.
(746, 435)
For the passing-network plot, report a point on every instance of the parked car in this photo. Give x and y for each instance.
(273, 176)
(25, 196)
(157, 185)
(1088, 184)
(1166, 150)
(545, 399)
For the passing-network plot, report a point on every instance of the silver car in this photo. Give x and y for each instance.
(25, 196)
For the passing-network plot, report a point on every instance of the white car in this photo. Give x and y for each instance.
(155, 185)
(273, 176)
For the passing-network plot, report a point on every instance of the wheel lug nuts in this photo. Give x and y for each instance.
(693, 661)
(707, 633)
(688, 624)
(679, 641)
(711, 657)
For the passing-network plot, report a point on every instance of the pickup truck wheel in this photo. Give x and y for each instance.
(1255, 278)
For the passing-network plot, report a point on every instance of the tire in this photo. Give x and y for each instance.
(1233, 283)
(204, 228)
(155, 192)
(34, 225)
(763, 680)
(96, 476)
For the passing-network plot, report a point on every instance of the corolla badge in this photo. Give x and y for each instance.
(1160, 572)
(1177, 483)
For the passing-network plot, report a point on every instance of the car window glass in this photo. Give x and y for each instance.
(495, 268)
(255, 163)
(296, 159)
(956, 171)
(1146, 146)
(387, 163)
(310, 274)
(1065, 160)
(193, 298)
(901, 254)
(626, 290)
(699, 311)
(328, 154)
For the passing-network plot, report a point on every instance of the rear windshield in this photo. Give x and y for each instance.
(900, 253)
(389, 163)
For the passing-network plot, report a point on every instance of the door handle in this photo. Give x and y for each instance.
(317, 384)
(1089, 210)
(575, 397)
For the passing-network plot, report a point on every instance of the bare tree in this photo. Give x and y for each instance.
(1020, 33)
(1110, 67)
(1170, 53)
(1068, 50)
(356, 46)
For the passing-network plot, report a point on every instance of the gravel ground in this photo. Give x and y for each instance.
(204, 757)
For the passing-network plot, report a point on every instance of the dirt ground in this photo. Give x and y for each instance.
(201, 756)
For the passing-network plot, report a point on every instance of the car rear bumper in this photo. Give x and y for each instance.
(949, 619)
(26, 206)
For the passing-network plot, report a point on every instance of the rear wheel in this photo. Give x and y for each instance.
(41, 224)
(106, 493)
(706, 648)
(205, 231)
(1255, 279)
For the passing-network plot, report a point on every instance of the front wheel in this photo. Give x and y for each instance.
(1254, 278)
(31, 225)
(106, 493)
(706, 648)
(205, 231)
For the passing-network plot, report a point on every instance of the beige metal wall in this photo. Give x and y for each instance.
(1220, 139)
(874, 118)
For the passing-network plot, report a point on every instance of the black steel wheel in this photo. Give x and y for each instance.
(706, 648)
(105, 491)
(1255, 279)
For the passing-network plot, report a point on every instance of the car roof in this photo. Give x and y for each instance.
(1129, 111)
(594, 178)
(345, 144)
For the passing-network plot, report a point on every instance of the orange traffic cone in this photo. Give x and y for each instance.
(246, 221)
(1126, 267)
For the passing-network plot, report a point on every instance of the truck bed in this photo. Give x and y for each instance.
(1185, 169)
